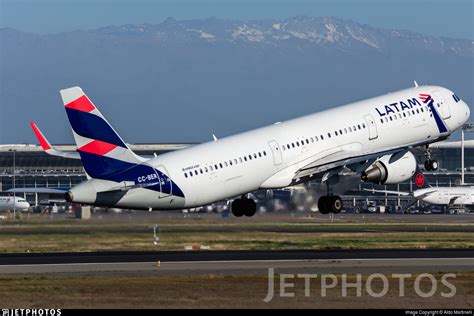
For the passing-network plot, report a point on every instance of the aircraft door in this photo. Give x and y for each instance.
(277, 159)
(166, 185)
(441, 104)
(369, 120)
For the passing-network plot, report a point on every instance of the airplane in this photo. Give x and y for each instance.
(371, 137)
(6, 203)
(450, 196)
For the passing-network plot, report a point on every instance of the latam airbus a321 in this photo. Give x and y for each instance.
(370, 137)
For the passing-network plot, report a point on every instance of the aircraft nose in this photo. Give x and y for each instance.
(468, 110)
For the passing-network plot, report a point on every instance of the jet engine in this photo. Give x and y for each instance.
(391, 169)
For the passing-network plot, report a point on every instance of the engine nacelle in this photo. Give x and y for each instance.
(391, 169)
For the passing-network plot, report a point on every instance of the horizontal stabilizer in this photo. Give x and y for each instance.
(48, 148)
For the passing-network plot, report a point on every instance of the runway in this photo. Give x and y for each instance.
(241, 262)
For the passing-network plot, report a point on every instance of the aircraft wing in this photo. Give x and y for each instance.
(331, 161)
(50, 149)
(324, 164)
(57, 190)
(389, 192)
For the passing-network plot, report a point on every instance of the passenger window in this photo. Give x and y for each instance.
(230, 162)
(185, 175)
(264, 153)
(298, 144)
(322, 137)
(335, 132)
(312, 139)
(358, 126)
(293, 145)
(195, 172)
(260, 154)
(245, 158)
(345, 130)
(220, 165)
(329, 135)
(210, 168)
(201, 171)
(191, 174)
(235, 161)
(381, 121)
(255, 156)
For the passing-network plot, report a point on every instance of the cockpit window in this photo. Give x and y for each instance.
(456, 98)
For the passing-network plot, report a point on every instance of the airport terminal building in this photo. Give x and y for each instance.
(27, 166)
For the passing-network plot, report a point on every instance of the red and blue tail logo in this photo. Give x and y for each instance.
(428, 100)
(103, 152)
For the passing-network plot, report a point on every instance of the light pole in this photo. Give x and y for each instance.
(14, 180)
(469, 128)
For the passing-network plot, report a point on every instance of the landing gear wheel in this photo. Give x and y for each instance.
(241, 207)
(330, 204)
(431, 165)
(323, 205)
(237, 208)
(250, 207)
(336, 204)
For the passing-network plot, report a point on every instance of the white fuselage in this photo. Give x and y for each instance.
(269, 157)
(463, 195)
(8, 203)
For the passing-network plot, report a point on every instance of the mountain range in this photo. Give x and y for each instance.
(182, 81)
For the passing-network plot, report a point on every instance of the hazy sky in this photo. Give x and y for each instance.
(452, 18)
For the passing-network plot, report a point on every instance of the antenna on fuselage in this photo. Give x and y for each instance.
(416, 83)
(214, 137)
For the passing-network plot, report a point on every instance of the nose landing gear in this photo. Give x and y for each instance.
(430, 164)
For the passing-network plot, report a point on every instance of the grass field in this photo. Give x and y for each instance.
(175, 233)
(39, 234)
(211, 291)
(230, 241)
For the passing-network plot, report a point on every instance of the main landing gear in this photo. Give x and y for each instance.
(430, 164)
(244, 206)
(330, 204)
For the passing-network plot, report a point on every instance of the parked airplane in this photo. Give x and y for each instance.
(450, 196)
(370, 137)
(7, 203)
